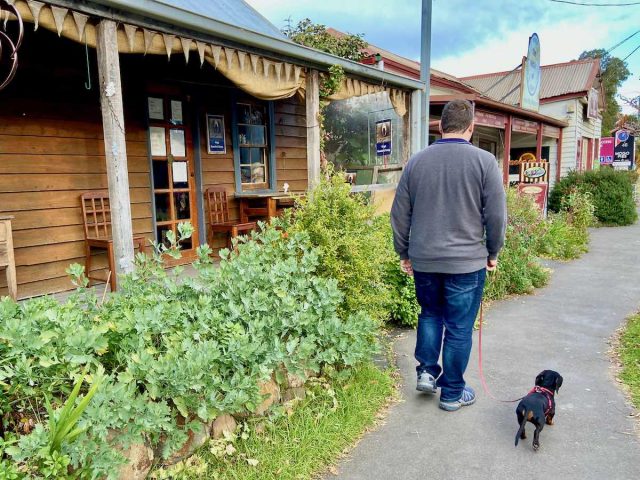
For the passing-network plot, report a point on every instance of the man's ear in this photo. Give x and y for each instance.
(440, 127)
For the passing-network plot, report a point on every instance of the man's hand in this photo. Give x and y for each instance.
(492, 265)
(405, 266)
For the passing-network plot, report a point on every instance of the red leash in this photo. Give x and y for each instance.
(480, 372)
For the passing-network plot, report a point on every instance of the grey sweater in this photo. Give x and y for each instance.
(449, 212)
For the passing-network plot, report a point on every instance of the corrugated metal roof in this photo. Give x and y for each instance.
(560, 79)
(233, 12)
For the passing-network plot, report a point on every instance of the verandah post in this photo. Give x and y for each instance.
(313, 128)
(115, 149)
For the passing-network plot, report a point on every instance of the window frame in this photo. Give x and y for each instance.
(270, 148)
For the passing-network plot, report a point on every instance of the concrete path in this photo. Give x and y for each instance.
(565, 327)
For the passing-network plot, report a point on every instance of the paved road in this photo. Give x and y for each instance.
(566, 327)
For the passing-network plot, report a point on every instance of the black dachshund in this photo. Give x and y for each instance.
(539, 405)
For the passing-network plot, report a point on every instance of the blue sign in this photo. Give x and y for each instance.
(383, 138)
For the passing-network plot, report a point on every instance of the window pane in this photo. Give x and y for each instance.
(257, 156)
(245, 174)
(245, 157)
(257, 175)
(244, 113)
(257, 135)
(161, 234)
(243, 136)
(160, 174)
(163, 213)
(180, 171)
(183, 210)
(186, 244)
(257, 115)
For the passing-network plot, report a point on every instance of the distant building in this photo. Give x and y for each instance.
(571, 92)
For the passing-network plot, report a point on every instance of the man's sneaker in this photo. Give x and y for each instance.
(468, 398)
(426, 383)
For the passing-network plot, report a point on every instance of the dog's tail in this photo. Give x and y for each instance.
(524, 412)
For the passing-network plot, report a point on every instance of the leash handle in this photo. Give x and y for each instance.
(480, 371)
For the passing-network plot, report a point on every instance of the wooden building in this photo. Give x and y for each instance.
(156, 102)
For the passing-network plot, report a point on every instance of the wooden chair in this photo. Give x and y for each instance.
(96, 215)
(218, 211)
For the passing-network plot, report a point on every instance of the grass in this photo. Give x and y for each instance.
(299, 443)
(630, 357)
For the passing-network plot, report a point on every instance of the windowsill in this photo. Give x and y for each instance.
(373, 188)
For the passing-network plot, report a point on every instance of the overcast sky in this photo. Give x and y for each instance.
(477, 36)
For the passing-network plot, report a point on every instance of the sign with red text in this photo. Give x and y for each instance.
(606, 150)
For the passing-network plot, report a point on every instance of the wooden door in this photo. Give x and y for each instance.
(172, 172)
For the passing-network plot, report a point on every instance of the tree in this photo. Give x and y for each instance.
(313, 35)
(613, 72)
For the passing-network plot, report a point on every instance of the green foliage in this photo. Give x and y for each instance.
(519, 270)
(611, 192)
(629, 352)
(341, 226)
(169, 347)
(295, 444)
(402, 305)
(613, 72)
(331, 82)
(316, 36)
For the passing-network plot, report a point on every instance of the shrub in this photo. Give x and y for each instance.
(519, 270)
(612, 194)
(402, 306)
(196, 348)
(350, 247)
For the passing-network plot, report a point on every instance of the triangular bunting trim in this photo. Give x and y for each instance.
(130, 32)
(59, 14)
(186, 47)
(35, 8)
(168, 43)
(201, 46)
(81, 23)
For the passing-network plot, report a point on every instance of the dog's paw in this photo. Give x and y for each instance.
(536, 446)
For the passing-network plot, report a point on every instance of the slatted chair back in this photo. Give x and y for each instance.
(217, 205)
(96, 214)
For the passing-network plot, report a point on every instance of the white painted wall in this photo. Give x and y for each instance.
(570, 111)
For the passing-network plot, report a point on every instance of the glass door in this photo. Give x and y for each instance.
(172, 173)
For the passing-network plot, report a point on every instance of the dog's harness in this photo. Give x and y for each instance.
(548, 395)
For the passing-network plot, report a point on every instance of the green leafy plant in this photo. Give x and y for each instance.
(342, 227)
(611, 193)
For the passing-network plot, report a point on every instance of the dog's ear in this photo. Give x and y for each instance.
(558, 382)
(540, 379)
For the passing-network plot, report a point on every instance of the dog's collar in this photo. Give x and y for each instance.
(547, 393)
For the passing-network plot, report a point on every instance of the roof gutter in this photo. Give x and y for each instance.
(191, 21)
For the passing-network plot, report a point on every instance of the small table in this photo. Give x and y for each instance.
(7, 258)
(268, 200)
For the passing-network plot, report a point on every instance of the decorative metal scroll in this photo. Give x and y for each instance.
(9, 47)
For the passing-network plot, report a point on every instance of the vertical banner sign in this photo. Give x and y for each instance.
(606, 151)
(538, 191)
(383, 138)
(530, 81)
(623, 150)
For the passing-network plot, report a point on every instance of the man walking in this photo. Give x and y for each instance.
(449, 220)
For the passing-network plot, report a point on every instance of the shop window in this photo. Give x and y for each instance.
(365, 137)
(253, 146)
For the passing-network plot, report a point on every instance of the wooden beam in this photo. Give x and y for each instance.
(114, 145)
(507, 151)
(414, 116)
(539, 143)
(559, 167)
(313, 127)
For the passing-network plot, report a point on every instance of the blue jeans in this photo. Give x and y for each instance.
(450, 303)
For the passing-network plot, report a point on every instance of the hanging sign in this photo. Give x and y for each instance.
(606, 151)
(383, 138)
(530, 81)
(524, 126)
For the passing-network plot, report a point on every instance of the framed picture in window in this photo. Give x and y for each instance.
(216, 142)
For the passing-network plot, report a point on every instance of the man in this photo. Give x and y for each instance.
(449, 220)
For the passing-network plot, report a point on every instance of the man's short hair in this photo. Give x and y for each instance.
(456, 116)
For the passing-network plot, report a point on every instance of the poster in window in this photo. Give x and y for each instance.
(383, 138)
(176, 140)
(156, 108)
(215, 134)
(158, 143)
(176, 112)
